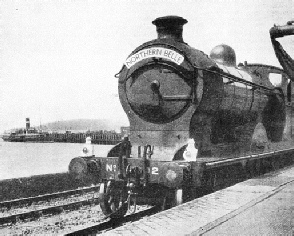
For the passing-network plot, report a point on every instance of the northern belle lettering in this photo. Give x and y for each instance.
(154, 52)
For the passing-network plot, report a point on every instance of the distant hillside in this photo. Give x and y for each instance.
(84, 124)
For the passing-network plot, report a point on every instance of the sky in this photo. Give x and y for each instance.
(59, 57)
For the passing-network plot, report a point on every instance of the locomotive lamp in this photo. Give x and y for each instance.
(88, 148)
(83, 165)
(191, 152)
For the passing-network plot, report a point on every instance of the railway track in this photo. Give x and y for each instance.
(45, 197)
(49, 204)
(69, 216)
(87, 220)
(34, 214)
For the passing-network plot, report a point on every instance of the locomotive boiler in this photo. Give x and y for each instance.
(190, 114)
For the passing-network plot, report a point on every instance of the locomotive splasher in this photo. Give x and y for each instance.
(183, 104)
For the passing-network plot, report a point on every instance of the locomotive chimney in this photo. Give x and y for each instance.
(170, 27)
(27, 123)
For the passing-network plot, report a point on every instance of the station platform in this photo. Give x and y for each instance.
(259, 206)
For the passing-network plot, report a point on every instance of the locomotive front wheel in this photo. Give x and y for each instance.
(112, 201)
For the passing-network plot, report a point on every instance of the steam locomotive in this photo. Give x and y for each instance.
(194, 119)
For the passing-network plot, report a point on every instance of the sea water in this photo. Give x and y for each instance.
(27, 159)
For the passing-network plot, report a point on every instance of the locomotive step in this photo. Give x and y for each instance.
(216, 213)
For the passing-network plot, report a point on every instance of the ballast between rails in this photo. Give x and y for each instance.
(47, 210)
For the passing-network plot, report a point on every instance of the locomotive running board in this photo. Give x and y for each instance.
(231, 161)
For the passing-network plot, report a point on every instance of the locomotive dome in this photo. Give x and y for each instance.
(223, 54)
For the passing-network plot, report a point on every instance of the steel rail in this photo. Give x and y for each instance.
(45, 197)
(113, 223)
